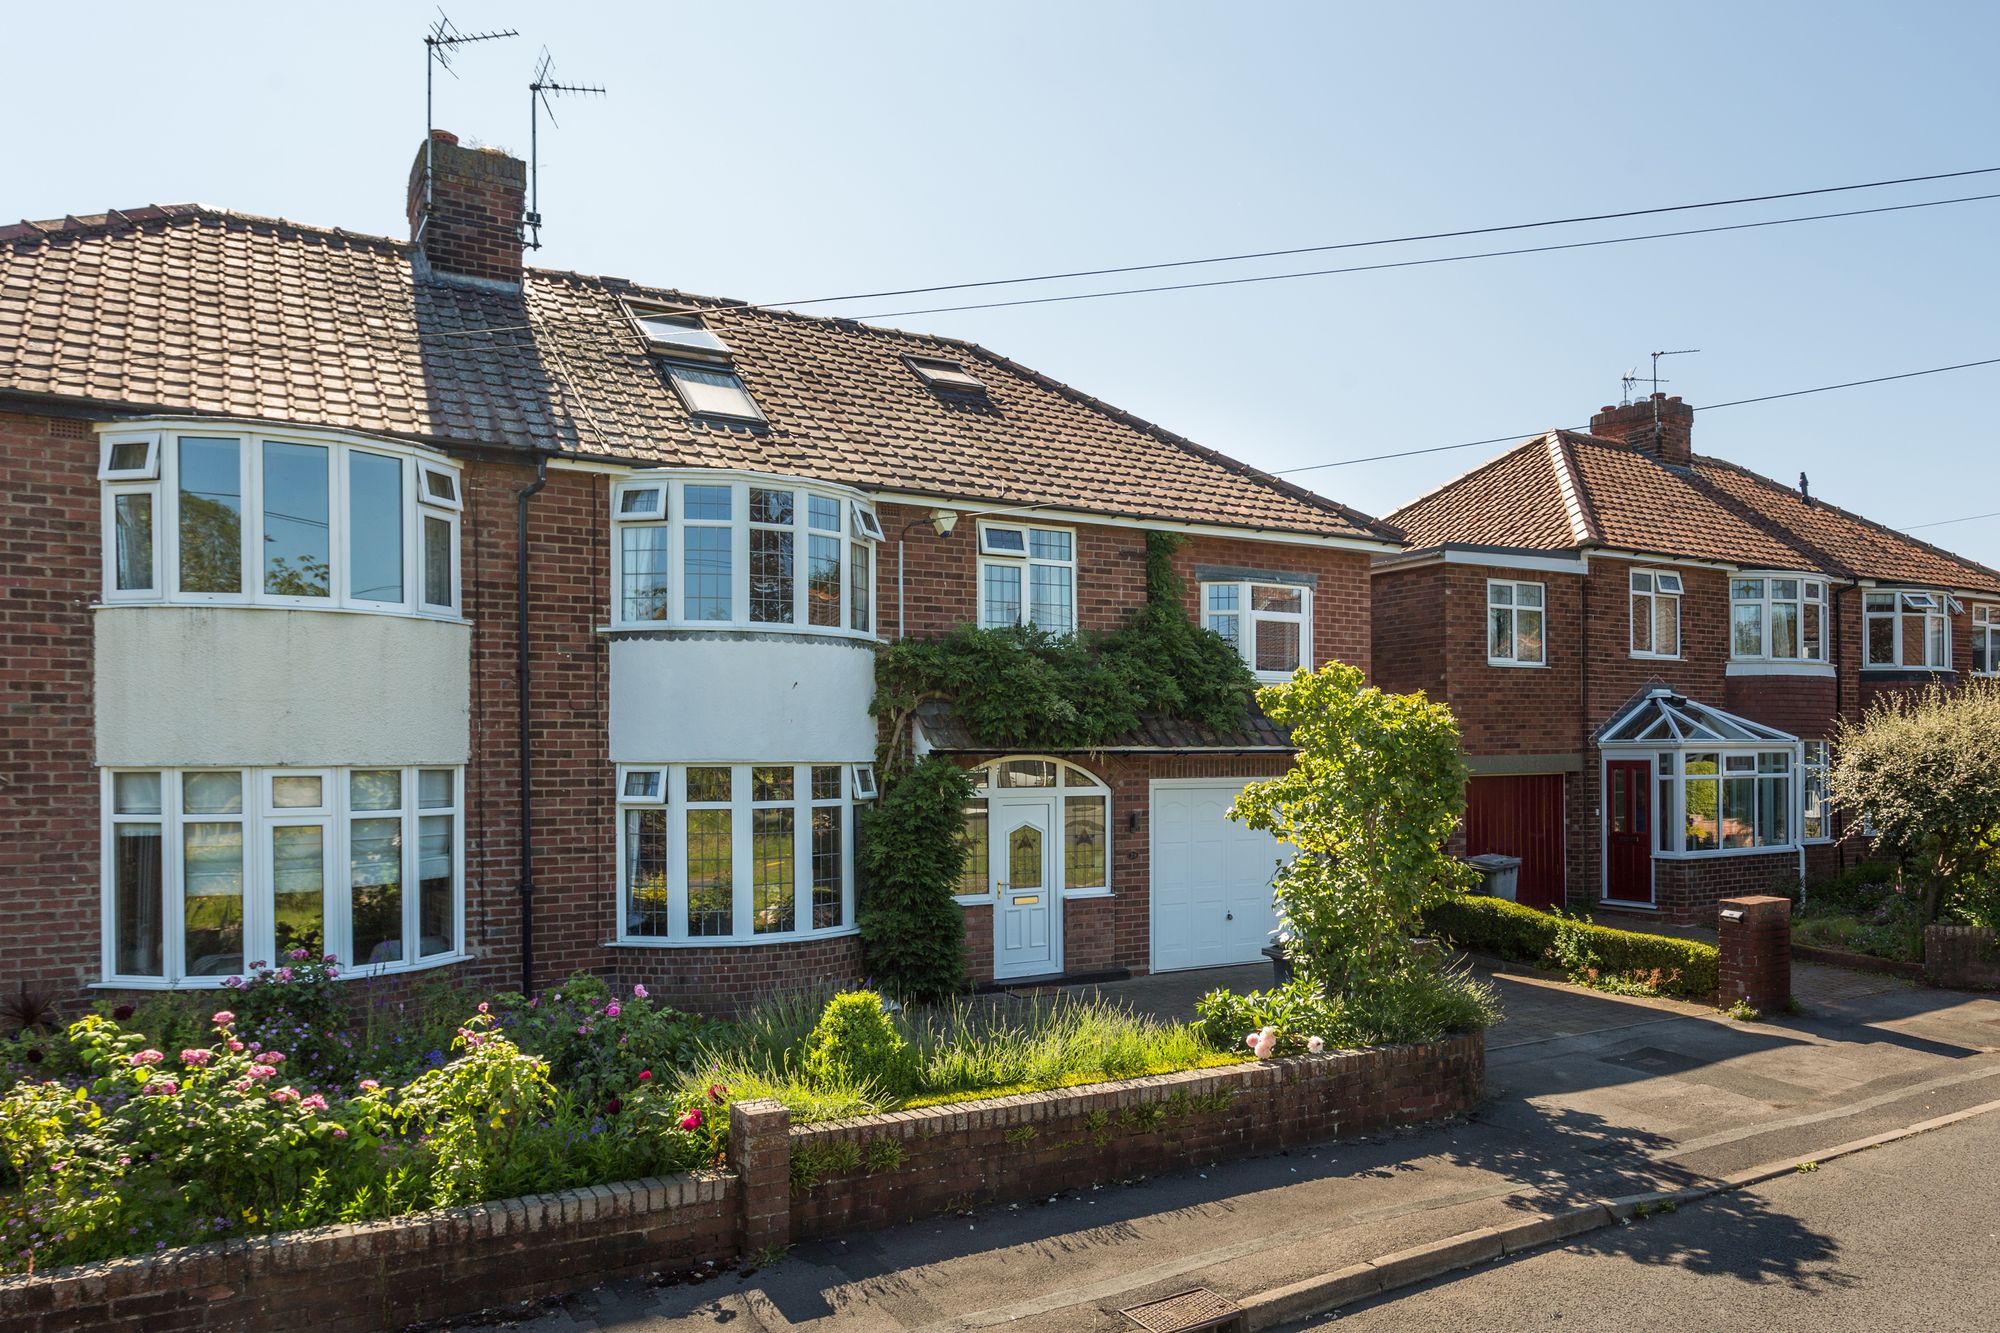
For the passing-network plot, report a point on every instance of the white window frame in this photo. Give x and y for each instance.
(258, 816)
(1932, 606)
(1073, 783)
(1513, 605)
(1986, 637)
(161, 485)
(1026, 562)
(672, 516)
(1815, 762)
(672, 796)
(1669, 765)
(1651, 586)
(1813, 593)
(1248, 617)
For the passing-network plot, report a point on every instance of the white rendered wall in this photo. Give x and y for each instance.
(261, 686)
(745, 698)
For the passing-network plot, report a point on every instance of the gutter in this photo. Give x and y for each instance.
(524, 691)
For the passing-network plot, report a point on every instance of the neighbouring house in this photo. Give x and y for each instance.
(1648, 649)
(398, 600)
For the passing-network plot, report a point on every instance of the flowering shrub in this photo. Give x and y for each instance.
(296, 1007)
(596, 1043)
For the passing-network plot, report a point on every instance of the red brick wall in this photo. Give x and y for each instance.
(53, 554)
(1688, 890)
(1408, 633)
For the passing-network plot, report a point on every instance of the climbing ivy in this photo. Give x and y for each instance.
(1024, 688)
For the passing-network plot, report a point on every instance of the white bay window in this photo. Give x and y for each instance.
(208, 872)
(213, 516)
(1986, 640)
(1906, 628)
(1777, 618)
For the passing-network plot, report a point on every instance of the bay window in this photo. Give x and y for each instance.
(1816, 819)
(1656, 613)
(1986, 640)
(244, 518)
(208, 872)
(1027, 576)
(1269, 624)
(1515, 623)
(713, 551)
(1910, 629)
(737, 853)
(1777, 618)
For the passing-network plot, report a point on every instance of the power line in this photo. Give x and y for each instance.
(1943, 522)
(1711, 407)
(1388, 240)
(1411, 263)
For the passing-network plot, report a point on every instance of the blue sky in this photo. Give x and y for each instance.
(776, 152)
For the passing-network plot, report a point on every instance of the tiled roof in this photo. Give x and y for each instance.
(1566, 492)
(192, 310)
(945, 730)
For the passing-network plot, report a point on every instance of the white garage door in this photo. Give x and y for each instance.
(1211, 895)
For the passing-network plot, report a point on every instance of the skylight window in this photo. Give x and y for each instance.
(714, 393)
(942, 374)
(681, 333)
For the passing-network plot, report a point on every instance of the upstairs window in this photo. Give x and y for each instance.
(1907, 629)
(219, 517)
(1986, 640)
(1027, 576)
(1656, 613)
(1269, 624)
(709, 391)
(1516, 623)
(767, 554)
(1777, 619)
(950, 376)
(679, 332)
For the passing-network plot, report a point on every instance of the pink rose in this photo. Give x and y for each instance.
(369, 1085)
(639, 992)
(692, 1120)
(313, 1103)
(197, 1056)
(283, 1095)
(274, 1057)
(1315, 1044)
(146, 1057)
(260, 1071)
(236, 1046)
(645, 1075)
(339, 1133)
(329, 959)
(611, 1010)
(166, 1087)
(485, 1008)
(223, 1018)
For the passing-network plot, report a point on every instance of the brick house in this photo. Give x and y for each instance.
(1648, 649)
(396, 599)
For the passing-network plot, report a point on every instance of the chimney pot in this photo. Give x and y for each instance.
(1658, 425)
(444, 136)
(470, 224)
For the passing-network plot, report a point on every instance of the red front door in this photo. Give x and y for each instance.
(1629, 846)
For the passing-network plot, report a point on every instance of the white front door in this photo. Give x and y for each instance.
(1026, 927)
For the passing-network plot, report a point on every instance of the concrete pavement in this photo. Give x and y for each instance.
(1590, 1095)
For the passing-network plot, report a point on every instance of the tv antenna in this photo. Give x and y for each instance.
(441, 44)
(1657, 381)
(544, 86)
(1625, 385)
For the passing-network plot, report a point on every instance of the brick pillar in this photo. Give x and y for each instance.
(760, 1150)
(1755, 945)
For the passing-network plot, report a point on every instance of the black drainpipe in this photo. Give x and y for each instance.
(524, 674)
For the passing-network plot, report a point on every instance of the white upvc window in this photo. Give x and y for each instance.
(1986, 640)
(1815, 814)
(737, 853)
(1656, 613)
(1777, 618)
(1268, 623)
(1516, 623)
(1906, 628)
(211, 515)
(210, 872)
(1085, 800)
(1726, 800)
(1027, 576)
(717, 551)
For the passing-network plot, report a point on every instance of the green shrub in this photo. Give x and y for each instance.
(597, 1044)
(1299, 1009)
(856, 1044)
(1856, 888)
(1509, 930)
(912, 932)
(1417, 1004)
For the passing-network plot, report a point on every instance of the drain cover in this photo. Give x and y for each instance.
(1185, 1311)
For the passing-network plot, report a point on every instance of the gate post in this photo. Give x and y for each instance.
(760, 1151)
(1754, 944)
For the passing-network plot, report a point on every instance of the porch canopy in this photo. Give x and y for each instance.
(1662, 717)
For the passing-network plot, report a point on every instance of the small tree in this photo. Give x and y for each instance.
(1924, 768)
(912, 933)
(1374, 794)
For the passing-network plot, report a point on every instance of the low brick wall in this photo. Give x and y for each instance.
(1963, 957)
(383, 1275)
(785, 1184)
(881, 1170)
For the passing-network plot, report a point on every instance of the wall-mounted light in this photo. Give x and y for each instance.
(943, 521)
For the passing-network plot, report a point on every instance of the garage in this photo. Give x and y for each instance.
(1211, 877)
(1520, 815)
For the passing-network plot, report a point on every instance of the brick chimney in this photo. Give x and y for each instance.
(1659, 425)
(473, 228)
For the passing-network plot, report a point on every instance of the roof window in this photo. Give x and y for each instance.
(709, 392)
(679, 332)
(939, 373)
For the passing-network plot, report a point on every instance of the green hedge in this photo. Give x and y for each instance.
(1495, 926)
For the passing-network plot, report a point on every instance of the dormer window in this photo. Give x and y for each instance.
(949, 376)
(678, 332)
(709, 392)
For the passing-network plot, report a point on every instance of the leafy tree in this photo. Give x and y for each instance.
(912, 933)
(1375, 792)
(1924, 768)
